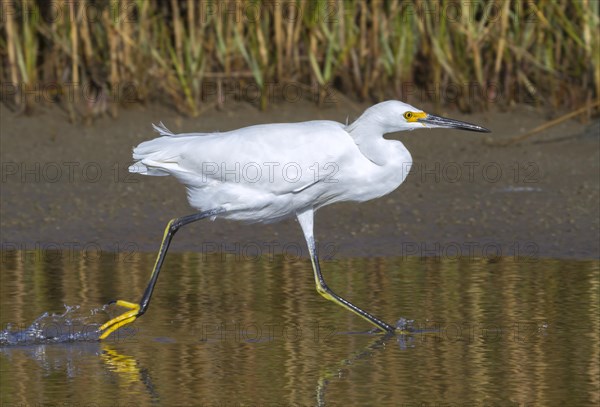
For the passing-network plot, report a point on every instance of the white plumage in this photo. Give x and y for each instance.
(267, 172)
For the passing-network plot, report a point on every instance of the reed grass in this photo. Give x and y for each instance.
(191, 54)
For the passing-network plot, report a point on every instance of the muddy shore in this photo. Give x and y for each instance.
(66, 186)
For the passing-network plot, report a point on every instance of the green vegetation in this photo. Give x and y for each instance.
(189, 53)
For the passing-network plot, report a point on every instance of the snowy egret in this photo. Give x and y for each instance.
(269, 172)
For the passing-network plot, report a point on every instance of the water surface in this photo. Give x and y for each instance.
(226, 330)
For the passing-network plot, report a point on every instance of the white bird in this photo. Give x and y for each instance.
(269, 172)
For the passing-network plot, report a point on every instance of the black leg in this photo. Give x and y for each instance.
(326, 292)
(305, 218)
(136, 310)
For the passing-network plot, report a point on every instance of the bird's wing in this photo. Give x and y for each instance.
(272, 158)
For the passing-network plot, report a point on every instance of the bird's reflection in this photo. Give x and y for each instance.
(406, 337)
(70, 359)
(129, 369)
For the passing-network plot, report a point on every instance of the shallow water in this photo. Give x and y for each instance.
(224, 330)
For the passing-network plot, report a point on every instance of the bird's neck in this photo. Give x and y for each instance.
(369, 139)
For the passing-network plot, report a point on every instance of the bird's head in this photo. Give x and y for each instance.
(394, 115)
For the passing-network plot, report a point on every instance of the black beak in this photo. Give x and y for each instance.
(437, 121)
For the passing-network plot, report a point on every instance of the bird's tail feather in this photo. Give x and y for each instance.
(158, 156)
(139, 168)
(161, 156)
(161, 129)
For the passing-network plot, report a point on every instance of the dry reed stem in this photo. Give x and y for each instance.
(548, 50)
(582, 110)
(11, 42)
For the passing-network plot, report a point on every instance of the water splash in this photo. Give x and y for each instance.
(73, 325)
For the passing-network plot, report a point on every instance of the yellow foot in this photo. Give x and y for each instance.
(122, 320)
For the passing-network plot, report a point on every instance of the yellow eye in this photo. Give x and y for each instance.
(408, 115)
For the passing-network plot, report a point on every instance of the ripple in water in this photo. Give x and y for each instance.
(73, 325)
